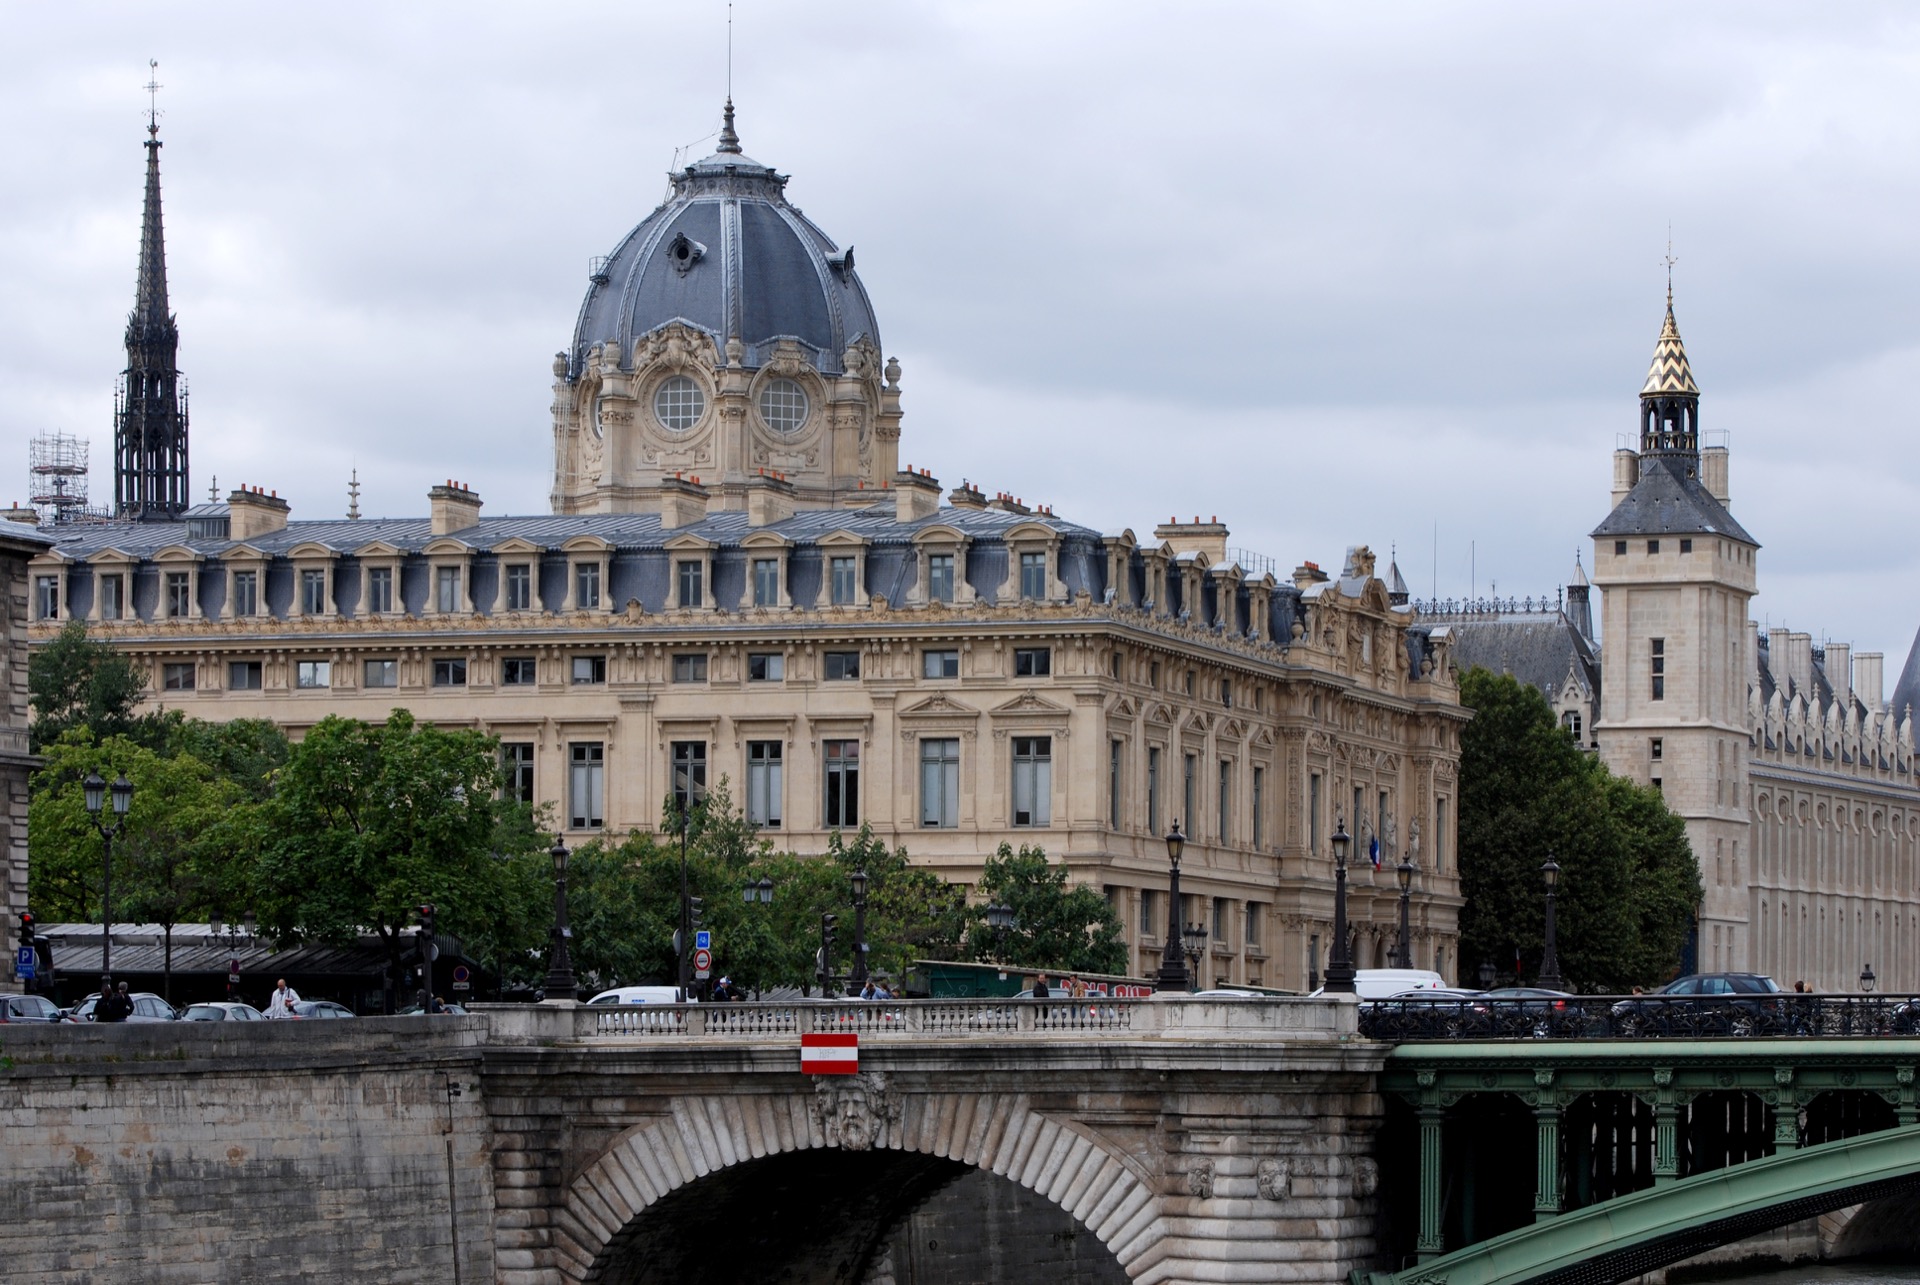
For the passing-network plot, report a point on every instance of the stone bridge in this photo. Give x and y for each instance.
(1180, 1140)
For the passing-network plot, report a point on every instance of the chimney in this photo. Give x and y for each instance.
(1869, 678)
(1008, 504)
(253, 511)
(1209, 537)
(1308, 573)
(1839, 669)
(916, 495)
(769, 499)
(27, 516)
(1713, 473)
(683, 502)
(1626, 474)
(967, 496)
(455, 508)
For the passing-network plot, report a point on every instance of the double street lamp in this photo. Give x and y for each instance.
(1173, 975)
(96, 791)
(1339, 979)
(560, 980)
(1550, 957)
(1405, 872)
(1196, 940)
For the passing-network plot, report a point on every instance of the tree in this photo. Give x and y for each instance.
(1628, 881)
(1054, 928)
(74, 681)
(369, 821)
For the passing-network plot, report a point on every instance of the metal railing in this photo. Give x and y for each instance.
(1641, 1017)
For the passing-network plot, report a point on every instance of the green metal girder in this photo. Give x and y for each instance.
(1636, 1233)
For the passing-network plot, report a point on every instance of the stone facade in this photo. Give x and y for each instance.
(17, 547)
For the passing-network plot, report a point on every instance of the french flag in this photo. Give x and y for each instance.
(1373, 850)
(826, 1053)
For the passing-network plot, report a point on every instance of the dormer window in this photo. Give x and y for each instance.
(689, 576)
(519, 579)
(46, 597)
(586, 585)
(678, 403)
(940, 577)
(179, 595)
(380, 590)
(844, 572)
(113, 598)
(313, 592)
(783, 405)
(1033, 576)
(766, 582)
(683, 252)
(246, 593)
(446, 590)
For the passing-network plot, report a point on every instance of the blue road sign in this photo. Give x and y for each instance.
(703, 940)
(25, 963)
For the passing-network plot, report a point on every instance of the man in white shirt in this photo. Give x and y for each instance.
(281, 1002)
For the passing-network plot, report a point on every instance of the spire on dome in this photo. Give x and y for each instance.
(729, 141)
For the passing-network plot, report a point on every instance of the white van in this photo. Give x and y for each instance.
(1384, 983)
(641, 995)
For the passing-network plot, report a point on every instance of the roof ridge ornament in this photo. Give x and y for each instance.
(729, 140)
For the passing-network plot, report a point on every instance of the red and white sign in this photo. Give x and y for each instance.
(829, 1054)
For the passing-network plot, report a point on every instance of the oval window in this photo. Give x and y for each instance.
(678, 403)
(783, 404)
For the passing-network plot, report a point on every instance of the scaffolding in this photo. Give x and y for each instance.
(57, 479)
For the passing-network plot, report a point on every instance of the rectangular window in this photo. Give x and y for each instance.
(1032, 662)
(1033, 576)
(1113, 785)
(311, 674)
(1113, 665)
(690, 579)
(1032, 780)
(246, 593)
(940, 783)
(1189, 682)
(1659, 657)
(519, 587)
(586, 586)
(766, 667)
(1313, 815)
(1221, 920)
(842, 809)
(1653, 546)
(1149, 922)
(177, 677)
(450, 672)
(1153, 674)
(586, 785)
(766, 582)
(1686, 546)
(1439, 834)
(690, 667)
(381, 673)
(516, 767)
(1153, 790)
(446, 590)
(1259, 807)
(1380, 825)
(179, 595)
(940, 577)
(519, 671)
(313, 592)
(46, 596)
(112, 597)
(1188, 770)
(841, 580)
(379, 590)
(243, 676)
(1226, 693)
(689, 775)
(1255, 913)
(1226, 802)
(764, 791)
(841, 666)
(1656, 749)
(589, 669)
(940, 664)
(1359, 815)
(1619, 548)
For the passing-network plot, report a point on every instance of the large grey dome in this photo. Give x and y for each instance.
(727, 254)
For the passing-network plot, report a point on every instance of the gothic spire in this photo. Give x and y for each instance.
(150, 430)
(1670, 400)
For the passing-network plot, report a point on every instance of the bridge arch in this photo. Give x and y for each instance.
(998, 1133)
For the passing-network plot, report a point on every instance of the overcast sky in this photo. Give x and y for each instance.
(1336, 273)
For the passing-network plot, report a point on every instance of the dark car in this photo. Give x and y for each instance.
(1533, 1011)
(1707, 1004)
(320, 1008)
(147, 1007)
(28, 1008)
(1431, 1012)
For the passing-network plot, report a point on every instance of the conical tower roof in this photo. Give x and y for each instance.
(1670, 373)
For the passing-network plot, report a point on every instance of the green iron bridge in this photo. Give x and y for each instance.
(1644, 1152)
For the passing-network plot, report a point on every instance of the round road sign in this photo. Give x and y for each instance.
(703, 960)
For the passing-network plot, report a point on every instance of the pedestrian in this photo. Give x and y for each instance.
(1076, 987)
(114, 1005)
(280, 1003)
(1800, 988)
(1040, 990)
(724, 992)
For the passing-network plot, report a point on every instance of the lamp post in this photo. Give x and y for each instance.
(1000, 919)
(1867, 979)
(760, 893)
(1340, 965)
(1487, 974)
(857, 881)
(1196, 942)
(683, 940)
(561, 985)
(231, 936)
(96, 791)
(1405, 873)
(1550, 957)
(1173, 974)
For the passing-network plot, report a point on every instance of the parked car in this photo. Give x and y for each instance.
(221, 1011)
(1533, 1011)
(1706, 1004)
(28, 1008)
(147, 1007)
(642, 995)
(320, 1009)
(1448, 1012)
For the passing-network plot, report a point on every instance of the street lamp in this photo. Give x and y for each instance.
(1340, 966)
(1867, 979)
(1405, 873)
(760, 893)
(857, 881)
(1550, 958)
(683, 940)
(1000, 918)
(561, 985)
(230, 936)
(1173, 961)
(1487, 974)
(1196, 940)
(122, 791)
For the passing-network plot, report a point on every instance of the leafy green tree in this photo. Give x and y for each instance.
(1628, 881)
(1056, 928)
(368, 821)
(74, 681)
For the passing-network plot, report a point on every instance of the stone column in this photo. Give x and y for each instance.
(1666, 1129)
(1786, 1112)
(1546, 1152)
(1430, 1245)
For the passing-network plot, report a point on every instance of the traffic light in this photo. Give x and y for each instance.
(829, 930)
(426, 919)
(26, 928)
(694, 905)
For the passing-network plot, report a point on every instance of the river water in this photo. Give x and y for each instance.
(1830, 1274)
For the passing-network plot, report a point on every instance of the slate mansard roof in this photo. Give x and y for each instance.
(1669, 500)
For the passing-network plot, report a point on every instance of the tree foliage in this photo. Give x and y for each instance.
(76, 682)
(1055, 928)
(1628, 882)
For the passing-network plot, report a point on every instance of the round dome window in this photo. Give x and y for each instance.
(678, 403)
(783, 404)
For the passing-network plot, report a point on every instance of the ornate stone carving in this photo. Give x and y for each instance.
(1366, 1176)
(1200, 1180)
(855, 1112)
(1275, 1179)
